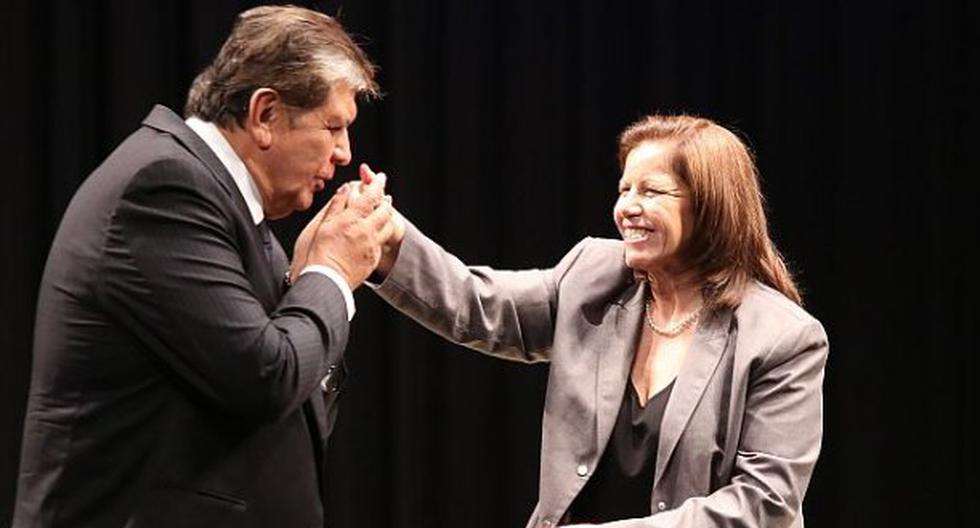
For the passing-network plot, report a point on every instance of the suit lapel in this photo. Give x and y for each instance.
(622, 326)
(271, 287)
(315, 408)
(316, 403)
(318, 407)
(165, 120)
(697, 369)
(280, 263)
(268, 285)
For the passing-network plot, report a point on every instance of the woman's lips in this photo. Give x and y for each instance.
(635, 234)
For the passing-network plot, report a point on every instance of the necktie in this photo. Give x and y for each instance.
(266, 241)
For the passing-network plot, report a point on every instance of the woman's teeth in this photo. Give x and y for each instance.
(632, 233)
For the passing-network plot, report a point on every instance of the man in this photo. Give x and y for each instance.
(178, 379)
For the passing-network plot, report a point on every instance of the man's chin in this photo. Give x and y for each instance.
(305, 202)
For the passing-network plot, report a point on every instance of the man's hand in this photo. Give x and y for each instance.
(301, 250)
(347, 233)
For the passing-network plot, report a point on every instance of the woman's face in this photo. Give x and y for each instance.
(653, 212)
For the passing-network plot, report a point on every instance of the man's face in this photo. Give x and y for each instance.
(306, 147)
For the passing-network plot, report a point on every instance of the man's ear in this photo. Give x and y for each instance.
(265, 107)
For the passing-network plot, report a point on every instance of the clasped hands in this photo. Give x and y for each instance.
(355, 233)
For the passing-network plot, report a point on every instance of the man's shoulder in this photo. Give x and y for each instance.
(151, 168)
(152, 156)
(162, 135)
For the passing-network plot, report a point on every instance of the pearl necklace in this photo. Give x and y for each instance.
(675, 329)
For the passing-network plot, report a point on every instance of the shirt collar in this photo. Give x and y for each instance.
(217, 142)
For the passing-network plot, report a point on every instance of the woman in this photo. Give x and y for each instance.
(685, 379)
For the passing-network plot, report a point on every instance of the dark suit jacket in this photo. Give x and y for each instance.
(742, 429)
(175, 381)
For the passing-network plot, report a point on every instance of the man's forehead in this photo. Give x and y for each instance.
(341, 104)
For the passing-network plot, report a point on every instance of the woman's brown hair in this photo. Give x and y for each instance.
(730, 243)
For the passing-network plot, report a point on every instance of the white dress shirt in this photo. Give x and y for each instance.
(218, 144)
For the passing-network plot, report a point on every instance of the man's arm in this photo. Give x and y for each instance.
(173, 275)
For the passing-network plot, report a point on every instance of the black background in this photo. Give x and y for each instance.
(498, 131)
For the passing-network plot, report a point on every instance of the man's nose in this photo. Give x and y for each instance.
(341, 154)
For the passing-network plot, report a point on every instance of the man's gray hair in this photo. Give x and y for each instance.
(299, 53)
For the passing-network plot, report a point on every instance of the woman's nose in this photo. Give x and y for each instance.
(633, 209)
(630, 203)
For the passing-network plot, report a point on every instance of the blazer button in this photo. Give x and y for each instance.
(661, 506)
(582, 470)
(325, 382)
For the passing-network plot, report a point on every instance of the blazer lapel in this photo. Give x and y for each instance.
(622, 326)
(697, 369)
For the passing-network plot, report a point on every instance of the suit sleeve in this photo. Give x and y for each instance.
(780, 440)
(173, 274)
(509, 314)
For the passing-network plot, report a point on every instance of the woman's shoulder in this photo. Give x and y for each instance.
(596, 254)
(771, 316)
(596, 264)
(603, 249)
(761, 300)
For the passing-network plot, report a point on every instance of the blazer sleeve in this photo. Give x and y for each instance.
(780, 440)
(508, 314)
(172, 273)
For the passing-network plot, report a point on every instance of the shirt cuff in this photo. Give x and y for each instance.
(332, 274)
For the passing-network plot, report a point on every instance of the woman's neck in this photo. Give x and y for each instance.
(674, 296)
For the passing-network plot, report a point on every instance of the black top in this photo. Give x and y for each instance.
(621, 484)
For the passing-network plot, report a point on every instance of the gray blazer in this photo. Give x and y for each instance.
(742, 429)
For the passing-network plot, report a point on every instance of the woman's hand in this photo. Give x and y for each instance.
(396, 227)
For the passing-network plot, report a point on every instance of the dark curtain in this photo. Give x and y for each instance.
(498, 129)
